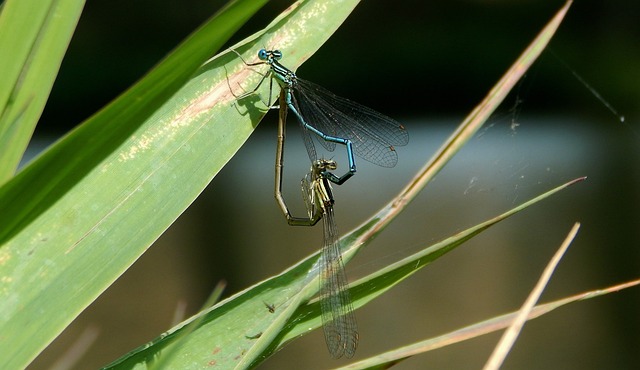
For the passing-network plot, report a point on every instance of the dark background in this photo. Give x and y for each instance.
(426, 64)
(441, 56)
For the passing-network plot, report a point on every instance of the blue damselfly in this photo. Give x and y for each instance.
(333, 119)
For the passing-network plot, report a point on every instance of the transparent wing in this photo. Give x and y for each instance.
(338, 320)
(373, 134)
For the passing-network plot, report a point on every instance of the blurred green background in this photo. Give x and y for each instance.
(426, 64)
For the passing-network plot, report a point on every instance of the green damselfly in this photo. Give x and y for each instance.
(338, 319)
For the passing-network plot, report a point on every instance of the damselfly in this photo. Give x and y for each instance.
(338, 320)
(334, 120)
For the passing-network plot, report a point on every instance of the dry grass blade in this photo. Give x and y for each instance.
(509, 337)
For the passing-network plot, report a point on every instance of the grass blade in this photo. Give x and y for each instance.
(34, 36)
(387, 359)
(509, 337)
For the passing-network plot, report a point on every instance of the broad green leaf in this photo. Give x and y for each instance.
(34, 35)
(77, 217)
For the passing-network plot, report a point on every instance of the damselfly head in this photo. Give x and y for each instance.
(321, 165)
(268, 55)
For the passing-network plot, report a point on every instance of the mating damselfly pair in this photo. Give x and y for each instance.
(333, 120)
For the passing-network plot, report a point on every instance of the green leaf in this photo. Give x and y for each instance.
(77, 217)
(34, 36)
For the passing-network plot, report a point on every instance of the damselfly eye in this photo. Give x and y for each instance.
(277, 54)
(263, 54)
